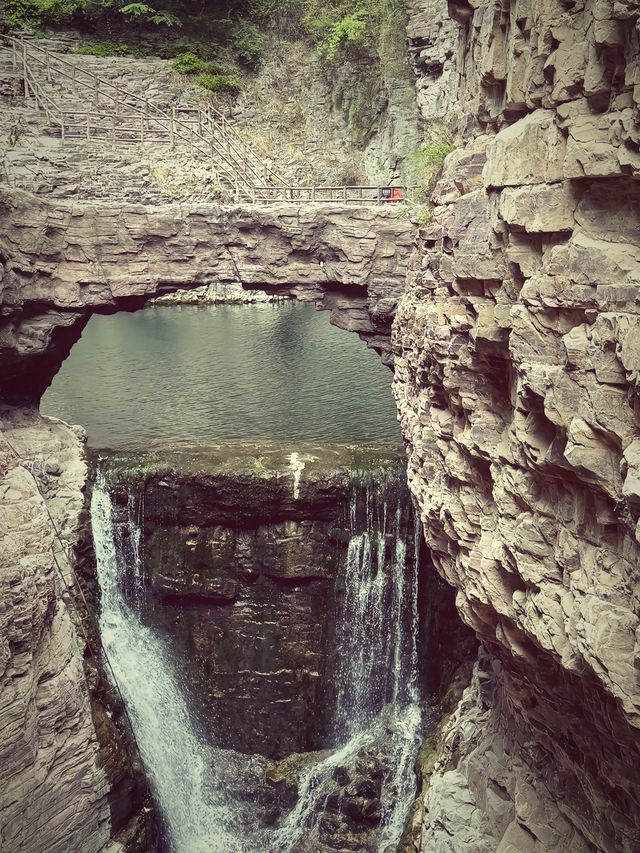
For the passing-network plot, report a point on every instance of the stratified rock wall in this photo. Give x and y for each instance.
(517, 355)
(63, 262)
(431, 42)
(61, 785)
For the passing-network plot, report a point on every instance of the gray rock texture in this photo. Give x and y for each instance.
(431, 41)
(62, 262)
(216, 294)
(516, 364)
(63, 773)
(516, 359)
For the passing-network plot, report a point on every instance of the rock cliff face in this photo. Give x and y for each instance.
(516, 359)
(65, 778)
(347, 121)
(61, 262)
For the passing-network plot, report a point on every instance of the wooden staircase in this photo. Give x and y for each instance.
(80, 105)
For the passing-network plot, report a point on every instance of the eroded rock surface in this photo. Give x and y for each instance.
(516, 359)
(62, 262)
(65, 781)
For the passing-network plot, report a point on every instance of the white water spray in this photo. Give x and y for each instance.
(196, 817)
(377, 697)
(296, 466)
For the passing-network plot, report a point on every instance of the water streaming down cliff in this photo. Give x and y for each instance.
(202, 792)
(377, 698)
(196, 816)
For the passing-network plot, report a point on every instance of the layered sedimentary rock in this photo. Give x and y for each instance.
(66, 783)
(431, 41)
(61, 262)
(516, 358)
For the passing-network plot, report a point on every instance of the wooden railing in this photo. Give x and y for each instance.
(345, 194)
(122, 117)
(132, 118)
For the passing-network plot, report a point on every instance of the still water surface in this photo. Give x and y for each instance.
(210, 373)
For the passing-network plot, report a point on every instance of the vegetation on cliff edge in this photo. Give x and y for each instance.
(333, 26)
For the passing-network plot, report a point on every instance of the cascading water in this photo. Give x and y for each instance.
(196, 816)
(377, 699)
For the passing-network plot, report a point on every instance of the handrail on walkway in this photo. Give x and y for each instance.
(207, 133)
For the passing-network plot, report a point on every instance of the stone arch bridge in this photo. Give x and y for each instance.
(63, 261)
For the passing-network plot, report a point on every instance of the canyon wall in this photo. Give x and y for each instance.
(516, 357)
(516, 370)
(66, 779)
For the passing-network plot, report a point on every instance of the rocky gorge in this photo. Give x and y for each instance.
(514, 346)
(515, 360)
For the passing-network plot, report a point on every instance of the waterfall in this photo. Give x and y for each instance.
(377, 697)
(196, 817)
(375, 706)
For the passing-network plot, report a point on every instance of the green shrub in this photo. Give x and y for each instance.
(426, 163)
(104, 48)
(189, 63)
(113, 48)
(422, 215)
(223, 83)
(352, 29)
(248, 42)
(203, 50)
(433, 156)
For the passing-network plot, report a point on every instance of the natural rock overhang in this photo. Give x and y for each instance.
(62, 262)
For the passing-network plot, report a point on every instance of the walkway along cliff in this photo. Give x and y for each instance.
(515, 351)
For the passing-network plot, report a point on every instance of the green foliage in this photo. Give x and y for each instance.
(104, 13)
(426, 163)
(248, 42)
(226, 84)
(203, 50)
(433, 156)
(37, 13)
(137, 10)
(373, 29)
(105, 48)
(189, 63)
(422, 215)
(352, 29)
